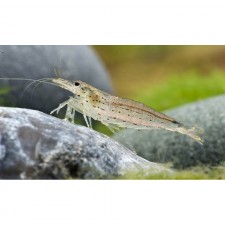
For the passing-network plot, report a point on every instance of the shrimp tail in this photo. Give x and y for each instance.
(194, 132)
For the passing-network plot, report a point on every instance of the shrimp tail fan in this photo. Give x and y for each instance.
(195, 133)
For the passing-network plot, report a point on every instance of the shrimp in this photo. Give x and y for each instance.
(116, 112)
(112, 111)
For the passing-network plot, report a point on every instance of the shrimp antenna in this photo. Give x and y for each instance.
(57, 72)
(60, 61)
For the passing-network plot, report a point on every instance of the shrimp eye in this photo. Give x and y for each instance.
(77, 83)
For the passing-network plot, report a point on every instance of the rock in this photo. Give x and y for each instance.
(36, 62)
(34, 145)
(165, 146)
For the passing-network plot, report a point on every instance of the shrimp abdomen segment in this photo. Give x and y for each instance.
(128, 113)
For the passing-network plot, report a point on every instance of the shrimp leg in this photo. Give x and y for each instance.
(112, 127)
(90, 122)
(60, 107)
(85, 118)
(70, 114)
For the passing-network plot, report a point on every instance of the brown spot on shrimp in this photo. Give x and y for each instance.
(95, 98)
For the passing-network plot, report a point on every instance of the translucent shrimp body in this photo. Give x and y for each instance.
(116, 112)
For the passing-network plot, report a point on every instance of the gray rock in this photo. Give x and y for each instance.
(36, 62)
(165, 146)
(36, 145)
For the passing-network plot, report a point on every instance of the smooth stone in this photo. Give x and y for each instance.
(37, 62)
(35, 145)
(164, 146)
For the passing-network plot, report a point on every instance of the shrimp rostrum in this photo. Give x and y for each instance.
(116, 112)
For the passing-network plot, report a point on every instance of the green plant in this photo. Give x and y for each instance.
(4, 100)
(181, 89)
(195, 173)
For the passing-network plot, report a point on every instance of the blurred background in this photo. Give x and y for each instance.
(165, 76)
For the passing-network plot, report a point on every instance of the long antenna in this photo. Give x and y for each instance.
(58, 71)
